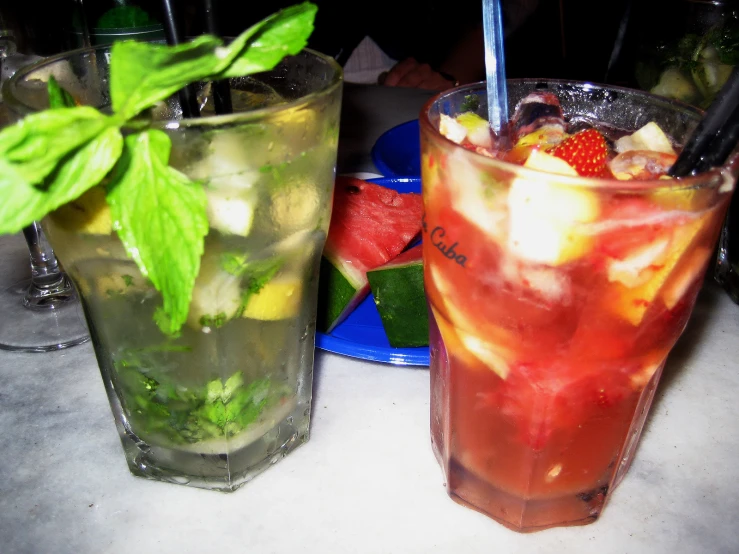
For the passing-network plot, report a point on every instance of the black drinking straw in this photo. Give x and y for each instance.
(716, 135)
(221, 89)
(188, 97)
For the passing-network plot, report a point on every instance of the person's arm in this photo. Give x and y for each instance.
(466, 61)
(464, 64)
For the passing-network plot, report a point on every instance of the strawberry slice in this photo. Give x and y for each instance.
(585, 151)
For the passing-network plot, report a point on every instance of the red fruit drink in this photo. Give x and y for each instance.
(556, 298)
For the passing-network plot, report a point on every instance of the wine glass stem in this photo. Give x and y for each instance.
(48, 284)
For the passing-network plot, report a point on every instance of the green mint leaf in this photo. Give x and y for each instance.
(58, 97)
(262, 46)
(73, 175)
(233, 383)
(213, 391)
(160, 218)
(217, 321)
(233, 263)
(145, 73)
(470, 104)
(255, 275)
(260, 273)
(35, 145)
(214, 413)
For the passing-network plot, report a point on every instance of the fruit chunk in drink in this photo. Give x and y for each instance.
(555, 302)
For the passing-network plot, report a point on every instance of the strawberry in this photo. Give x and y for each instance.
(585, 151)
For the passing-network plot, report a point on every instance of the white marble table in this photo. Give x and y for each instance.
(366, 482)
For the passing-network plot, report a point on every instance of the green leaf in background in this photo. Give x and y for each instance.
(58, 97)
(160, 216)
(726, 42)
(35, 145)
(145, 73)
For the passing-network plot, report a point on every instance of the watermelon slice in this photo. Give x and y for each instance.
(399, 295)
(370, 225)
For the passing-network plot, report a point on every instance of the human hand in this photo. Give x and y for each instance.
(410, 73)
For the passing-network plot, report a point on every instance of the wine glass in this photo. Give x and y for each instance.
(42, 313)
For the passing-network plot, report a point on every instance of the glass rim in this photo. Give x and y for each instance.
(711, 177)
(22, 108)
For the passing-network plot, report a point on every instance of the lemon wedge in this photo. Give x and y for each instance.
(278, 299)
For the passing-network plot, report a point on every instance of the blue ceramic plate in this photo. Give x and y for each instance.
(397, 153)
(361, 335)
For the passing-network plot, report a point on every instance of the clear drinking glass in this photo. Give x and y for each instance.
(691, 55)
(231, 395)
(555, 301)
(41, 313)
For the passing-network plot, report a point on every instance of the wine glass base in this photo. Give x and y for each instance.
(28, 329)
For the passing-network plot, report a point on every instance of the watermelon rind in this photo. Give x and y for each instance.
(339, 294)
(400, 299)
(370, 225)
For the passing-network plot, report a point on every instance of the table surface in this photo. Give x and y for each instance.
(366, 481)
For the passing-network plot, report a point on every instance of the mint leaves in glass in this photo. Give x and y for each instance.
(194, 243)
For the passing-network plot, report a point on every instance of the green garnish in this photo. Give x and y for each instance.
(470, 104)
(189, 415)
(216, 321)
(51, 158)
(58, 97)
(254, 274)
(233, 263)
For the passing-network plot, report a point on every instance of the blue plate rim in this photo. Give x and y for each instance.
(379, 146)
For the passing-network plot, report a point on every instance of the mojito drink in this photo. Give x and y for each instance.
(229, 394)
(559, 273)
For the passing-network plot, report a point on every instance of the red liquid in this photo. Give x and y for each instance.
(542, 374)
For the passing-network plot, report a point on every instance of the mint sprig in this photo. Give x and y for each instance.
(167, 242)
(147, 73)
(37, 174)
(53, 157)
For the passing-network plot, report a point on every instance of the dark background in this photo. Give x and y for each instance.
(571, 39)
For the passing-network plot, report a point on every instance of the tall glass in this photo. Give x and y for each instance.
(688, 57)
(555, 301)
(726, 271)
(231, 395)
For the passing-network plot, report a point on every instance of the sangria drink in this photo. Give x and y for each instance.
(559, 274)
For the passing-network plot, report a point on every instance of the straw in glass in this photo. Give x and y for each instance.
(716, 135)
(492, 16)
(221, 89)
(188, 97)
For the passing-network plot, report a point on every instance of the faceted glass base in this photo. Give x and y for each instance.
(224, 465)
(55, 324)
(518, 503)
